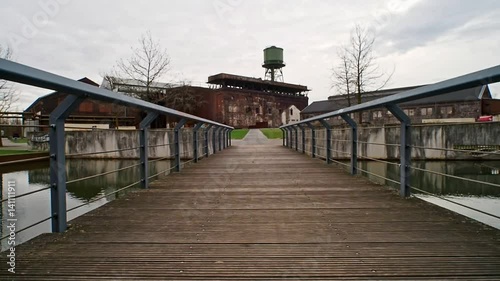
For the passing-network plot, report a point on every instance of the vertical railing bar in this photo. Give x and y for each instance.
(207, 150)
(177, 144)
(144, 147)
(328, 140)
(196, 141)
(58, 161)
(354, 142)
(313, 139)
(405, 149)
(303, 134)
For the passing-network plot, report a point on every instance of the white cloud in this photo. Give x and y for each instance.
(426, 40)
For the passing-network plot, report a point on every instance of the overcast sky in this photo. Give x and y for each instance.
(425, 41)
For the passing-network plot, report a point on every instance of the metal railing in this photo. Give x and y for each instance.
(206, 134)
(302, 134)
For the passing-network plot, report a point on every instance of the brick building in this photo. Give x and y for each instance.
(238, 101)
(465, 104)
(90, 112)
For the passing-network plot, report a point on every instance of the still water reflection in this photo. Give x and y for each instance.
(36, 207)
(476, 195)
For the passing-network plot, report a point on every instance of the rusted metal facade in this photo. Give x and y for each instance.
(245, 102)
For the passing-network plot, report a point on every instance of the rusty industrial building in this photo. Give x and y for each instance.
(238, 101)
(90, 112)
(463, 105)
(245, 102)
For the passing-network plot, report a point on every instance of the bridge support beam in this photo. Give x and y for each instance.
(328, 140)
(177, 144)
(354, 142)
(229, 138)
(207, 130)
(196, 141)
(405, 149)
(144, 147)
(58, 161)
(313, 139)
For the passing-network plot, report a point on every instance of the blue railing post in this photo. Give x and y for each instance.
(296, 138)
(214, 139)
(207, 150)
(58, 161)
(144, 147)
(288, 136)
(283, 133)
(328, 140)
(177, 144)
(405, 149)
(354, 142)
(313, 139)
(221, 132)
(229, 137)
(303, 133)
(196, 141)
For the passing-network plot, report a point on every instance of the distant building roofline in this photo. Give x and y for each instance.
(231, 80)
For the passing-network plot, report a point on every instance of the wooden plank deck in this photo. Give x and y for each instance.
(263, 212)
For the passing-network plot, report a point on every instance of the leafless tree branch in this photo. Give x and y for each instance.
(7, 92)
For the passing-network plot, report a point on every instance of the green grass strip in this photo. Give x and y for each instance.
(272, 133)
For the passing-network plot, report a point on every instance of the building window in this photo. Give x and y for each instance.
(427, 111)
(377, 114)
(365, 116)
(257, 110)
(291, 111)
(86, 107)
(446, 110)
(269, 110)
(248, 110)
(409, 112)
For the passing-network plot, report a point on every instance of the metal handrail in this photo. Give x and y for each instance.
(24, 74)
(479, 78)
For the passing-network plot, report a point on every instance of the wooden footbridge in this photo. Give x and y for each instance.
(264, 212)
(256, 210)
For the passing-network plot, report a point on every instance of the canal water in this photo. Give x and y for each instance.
(36, 207)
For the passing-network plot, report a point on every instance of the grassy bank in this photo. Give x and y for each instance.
(272, 133)
(4, 152)
(239, 134)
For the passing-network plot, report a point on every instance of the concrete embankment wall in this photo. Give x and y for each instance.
(449, 136)
(99, 141)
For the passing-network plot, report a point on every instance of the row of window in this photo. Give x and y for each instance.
(424, 111)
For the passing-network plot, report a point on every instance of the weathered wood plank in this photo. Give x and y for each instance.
(264, 212)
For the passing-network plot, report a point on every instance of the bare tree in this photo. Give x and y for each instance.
(358, 69)
(343, 77)
(149, 61)
(7, 92)
(367, 72)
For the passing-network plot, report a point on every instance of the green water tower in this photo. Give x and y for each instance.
(273, 63)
